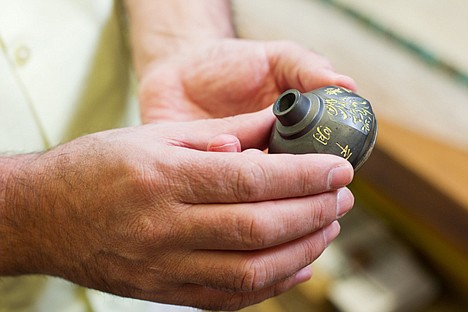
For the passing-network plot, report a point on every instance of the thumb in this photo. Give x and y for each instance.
(252, 130)
(225, 143)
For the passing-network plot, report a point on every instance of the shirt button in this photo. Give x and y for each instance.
(22, 55)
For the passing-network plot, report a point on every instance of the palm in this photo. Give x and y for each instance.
(229, 78)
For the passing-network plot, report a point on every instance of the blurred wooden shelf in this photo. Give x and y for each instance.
(419, 184)
(442, 165)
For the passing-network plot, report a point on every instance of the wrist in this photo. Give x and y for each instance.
(19, 205)
(160, 28)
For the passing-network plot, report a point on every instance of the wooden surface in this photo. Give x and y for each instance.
(442, 165)
(419, 185)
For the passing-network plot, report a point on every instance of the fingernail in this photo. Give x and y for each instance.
(253, 151)
(224, 143)
(303, 275)
(226, 148)
(347, 82)
(340, 176)
(331, 232)
(345, 201)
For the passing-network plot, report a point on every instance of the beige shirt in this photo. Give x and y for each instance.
(64, 72)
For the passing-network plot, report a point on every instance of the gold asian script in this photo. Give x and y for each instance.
(350, 108)
(345, 151)
(323, 134)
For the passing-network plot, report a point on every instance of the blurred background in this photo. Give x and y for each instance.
(404, 247)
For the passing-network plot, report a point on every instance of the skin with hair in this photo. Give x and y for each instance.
(147, 212)
(186, 209)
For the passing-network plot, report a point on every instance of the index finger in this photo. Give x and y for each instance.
(250, 177)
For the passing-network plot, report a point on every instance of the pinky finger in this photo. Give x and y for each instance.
(213, 299)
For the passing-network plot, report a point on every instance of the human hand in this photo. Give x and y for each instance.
(147, 212)
(226, 77)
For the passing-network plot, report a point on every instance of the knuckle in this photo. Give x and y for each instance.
(249, 182)
(313, 248)
(324, 210)
(142, 229)
(251, 231)
(147, 230)
(326, 63)
(238, 301)
(252, 275)
(145, 180)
